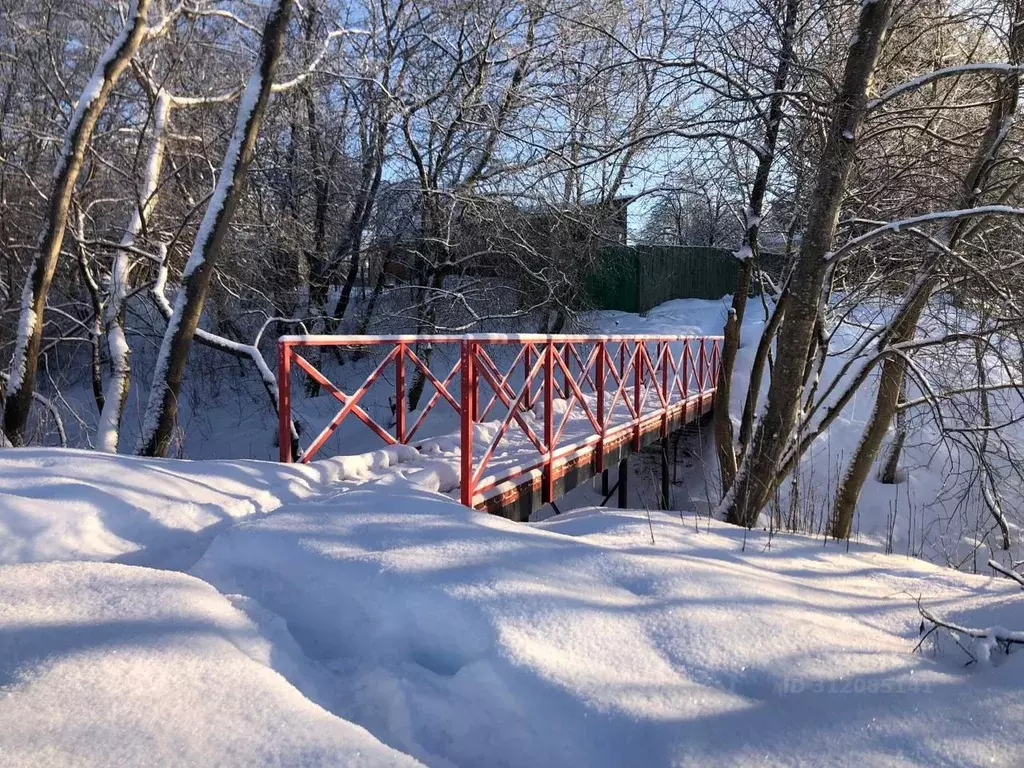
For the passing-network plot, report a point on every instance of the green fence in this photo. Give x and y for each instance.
(637, 278)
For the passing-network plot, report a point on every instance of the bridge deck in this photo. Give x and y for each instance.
(538, 414)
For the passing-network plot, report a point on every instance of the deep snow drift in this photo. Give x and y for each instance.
(596, 638)
(106, 665)
(84, 505)
(469, 640)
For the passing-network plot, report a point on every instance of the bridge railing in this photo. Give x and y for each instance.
(527, 403)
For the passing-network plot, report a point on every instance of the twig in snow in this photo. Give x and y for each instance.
(1002, 638)
(1006, 572)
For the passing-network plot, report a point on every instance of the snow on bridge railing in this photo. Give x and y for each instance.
(568, 396)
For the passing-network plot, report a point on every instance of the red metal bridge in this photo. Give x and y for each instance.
(537, 414)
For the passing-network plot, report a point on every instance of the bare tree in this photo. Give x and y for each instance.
(109, 428)
(903, 326)
(188, 305)
(748, 253)
(753, 483)
(21, 379)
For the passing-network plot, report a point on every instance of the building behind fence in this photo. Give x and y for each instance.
(638, 278)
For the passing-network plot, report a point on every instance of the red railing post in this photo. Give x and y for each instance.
(718, 361)
(466, 420)
(476, 383)
(400, 404)
(718, 369)
(547, 480)
(527, 366)
(714, 370)
(566, 375)
(284, 401)
(665, 391)
(701, 368)
(599, 382)
(638, 368)
(686, 369)
(685, 377)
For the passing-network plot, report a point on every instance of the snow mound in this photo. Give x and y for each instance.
(105, 664)
(465, 639)
(85, 505)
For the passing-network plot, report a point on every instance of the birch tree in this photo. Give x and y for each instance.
(118, 352)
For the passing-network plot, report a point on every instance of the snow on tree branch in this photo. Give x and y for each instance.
(962, 69)
(927, 218)
(162, 406)
(978, 644)
(77, 137)
(1006, 572)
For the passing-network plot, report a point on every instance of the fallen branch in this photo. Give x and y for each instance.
(1006, 572)
(999, 637)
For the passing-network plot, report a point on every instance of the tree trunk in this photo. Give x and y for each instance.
(989, 481)
(724, 446)
(371, 306)
(109, 428)
(761, 360)
(222, 344)
(161, 411)
(756, 476)
(888, 474)
(24, 363)
(95, 322)
(426, 324)
(350, 247)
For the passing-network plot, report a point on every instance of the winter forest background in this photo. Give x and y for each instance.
(181, 182)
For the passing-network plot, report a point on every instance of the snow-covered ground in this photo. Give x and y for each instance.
(936, 513)
(596, 638)
(60, 504)
(604, 639)
(115, 665)
(349, 612)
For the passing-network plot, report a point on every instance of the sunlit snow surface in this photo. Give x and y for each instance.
(599, 638)
(114, 665)
(466, 639)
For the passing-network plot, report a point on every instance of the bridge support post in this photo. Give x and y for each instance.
(400, 403)
(638, 377)
(527, 367)
(623, 484)
(599, 385)
(567, 362)
(665, 488)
